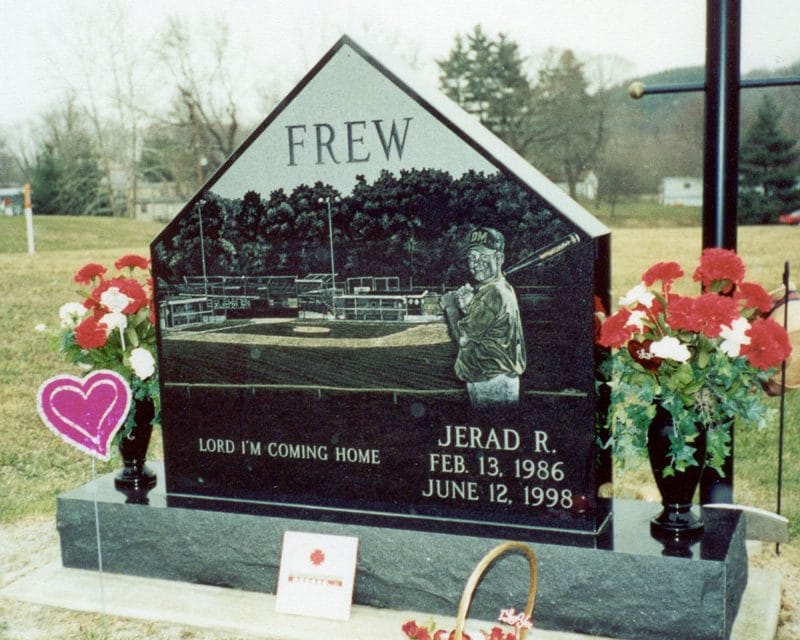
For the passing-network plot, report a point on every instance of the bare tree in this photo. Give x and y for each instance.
(128, 98)
(203, 74)
(570, 121)
(86, 52)
(112, 87)
(12, 168)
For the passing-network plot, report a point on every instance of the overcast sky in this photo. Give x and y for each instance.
(283, 38)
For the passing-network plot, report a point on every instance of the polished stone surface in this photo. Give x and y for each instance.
(628, 586)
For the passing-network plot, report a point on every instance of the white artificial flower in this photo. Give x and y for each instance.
(734, 337)
(142, 363)
(114, 321)
(115, 300)
(637, 320)
(71, 313)
(670, 348)
(638, 295)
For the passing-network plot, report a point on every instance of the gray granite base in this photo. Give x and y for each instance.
(629, 586)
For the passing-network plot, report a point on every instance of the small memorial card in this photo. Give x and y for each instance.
(317, 575)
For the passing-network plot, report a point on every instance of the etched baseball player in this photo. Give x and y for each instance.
(484, 320)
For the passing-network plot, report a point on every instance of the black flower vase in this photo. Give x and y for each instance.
(136, 479)
(677, 491)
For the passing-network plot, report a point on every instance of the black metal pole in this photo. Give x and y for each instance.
(721, 159)
(639, 89)
(783, 394)
(721, 166)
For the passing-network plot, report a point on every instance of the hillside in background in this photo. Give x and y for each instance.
(662, 135)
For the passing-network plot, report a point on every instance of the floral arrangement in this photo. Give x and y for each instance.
(517, 621)
(114, 327)
(703, 358)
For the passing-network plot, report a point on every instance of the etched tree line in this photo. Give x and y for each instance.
(411, 225)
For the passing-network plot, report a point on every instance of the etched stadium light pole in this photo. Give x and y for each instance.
(327, 200)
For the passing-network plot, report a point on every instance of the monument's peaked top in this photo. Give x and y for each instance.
(356, 114)
(475, 133)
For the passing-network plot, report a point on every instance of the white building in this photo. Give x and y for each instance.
(585, 188)
(11, 201)
(681, 191)
(158, 201)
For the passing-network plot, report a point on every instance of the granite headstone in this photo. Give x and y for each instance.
(307, 366)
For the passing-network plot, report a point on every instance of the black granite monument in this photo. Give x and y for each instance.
(306, 362)
(313, 378)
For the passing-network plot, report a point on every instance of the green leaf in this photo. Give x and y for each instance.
(132, 337)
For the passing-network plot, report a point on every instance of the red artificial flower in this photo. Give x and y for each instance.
(655, 308)
(681, 314)
(90, 334)
(668, 272)
(769, 344)
(136, 292)
(712, 311)
(705, 314)
(88, 272)
(719, 266)
(640, 351)
(415, 632)
(131, 288)
(91, 304)
(132, 261)
(496, 634)
(754, 296)
(615, 331)
(409, 628)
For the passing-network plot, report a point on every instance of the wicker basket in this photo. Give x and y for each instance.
(482, 567)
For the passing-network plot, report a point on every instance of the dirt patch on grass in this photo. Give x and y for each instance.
(788, 563)
(33, 543)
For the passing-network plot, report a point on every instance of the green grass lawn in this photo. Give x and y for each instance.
(642, 213)
(35, 466)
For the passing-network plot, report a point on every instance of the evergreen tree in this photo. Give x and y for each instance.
(486, 77)
(45, 178)
(767, 167)
(66, 177)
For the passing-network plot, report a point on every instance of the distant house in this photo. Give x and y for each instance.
(11, 201)
(681, 191)
(158, 201)
(585, 188)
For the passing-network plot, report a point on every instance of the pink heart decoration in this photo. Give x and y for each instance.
(85, 412)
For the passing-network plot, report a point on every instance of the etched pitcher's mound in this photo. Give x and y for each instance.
(310, 330)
